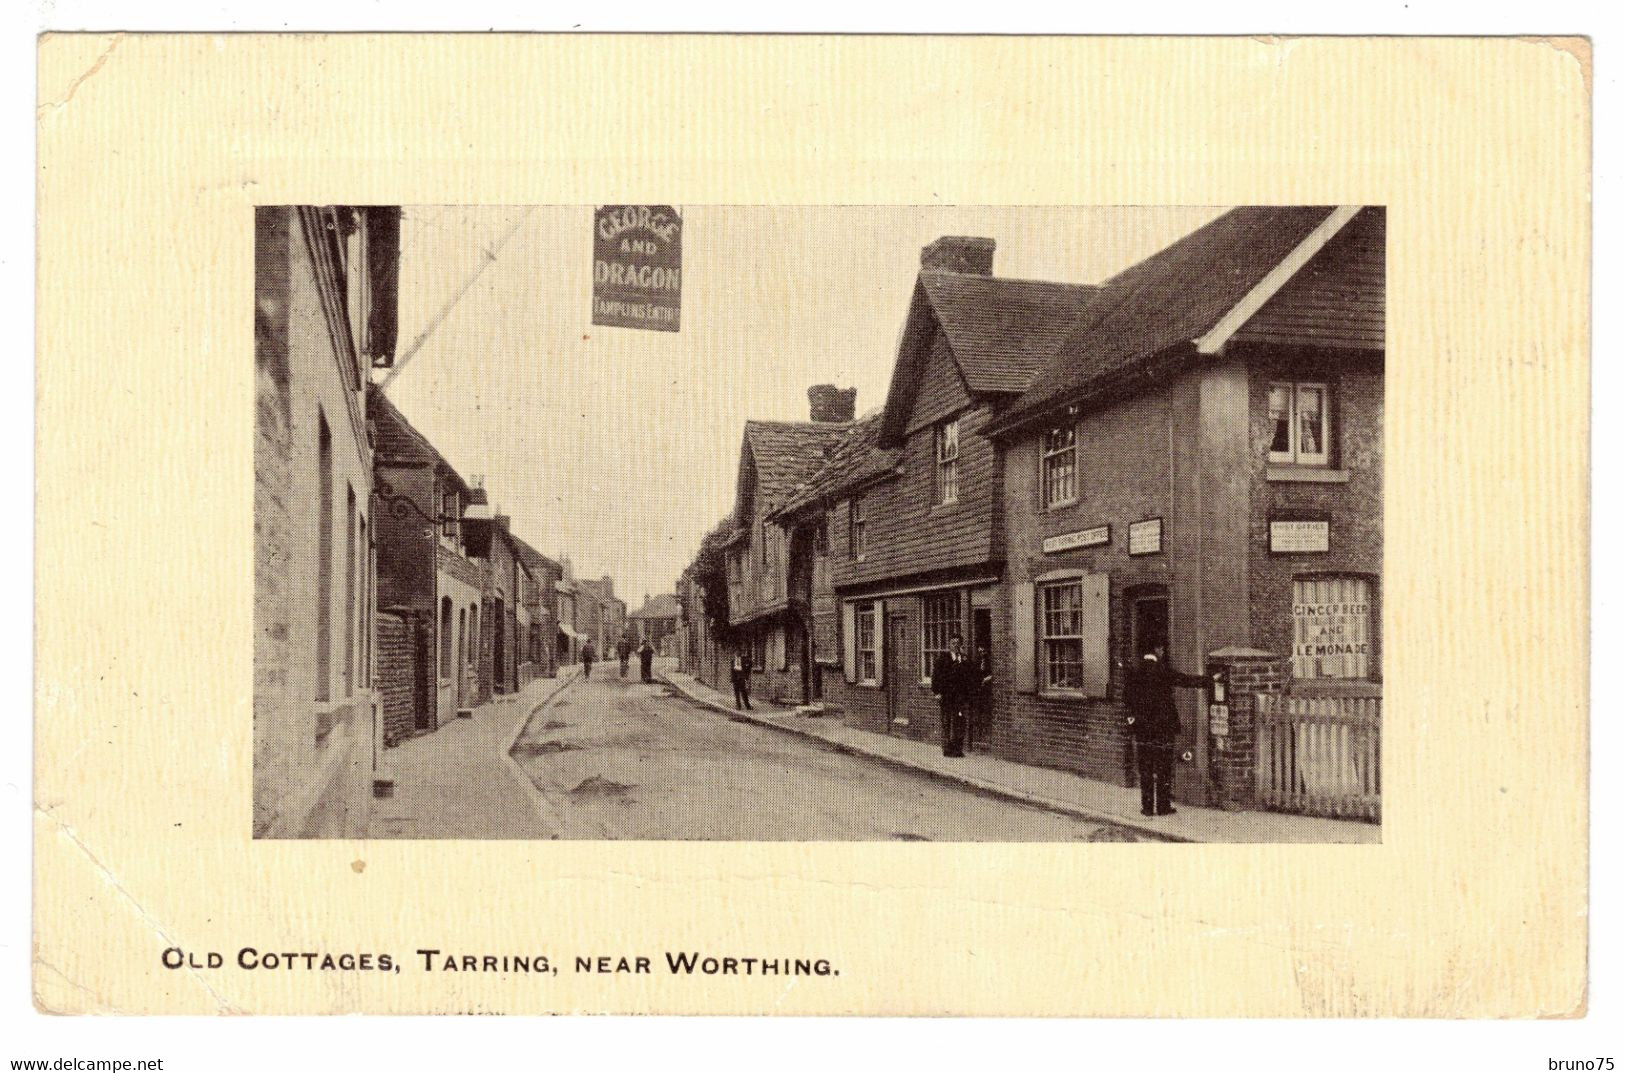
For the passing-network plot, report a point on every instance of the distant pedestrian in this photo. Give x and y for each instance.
(624, 650)
(646, 658)
(1154, 725)
(589, 655)
(741, 680)
(955, 679)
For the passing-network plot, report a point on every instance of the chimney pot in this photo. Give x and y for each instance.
(827, 403)
(959, 253)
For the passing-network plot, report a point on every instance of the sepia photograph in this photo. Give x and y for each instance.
(935, 523)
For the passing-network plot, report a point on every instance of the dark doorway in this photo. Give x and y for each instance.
(981, 648)
(897, 670)
(499, 665)
(423, 655)
(1150, 626)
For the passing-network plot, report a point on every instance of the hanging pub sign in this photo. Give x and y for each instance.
(637, 267)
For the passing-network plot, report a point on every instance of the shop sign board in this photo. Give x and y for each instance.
(1298, 536)
(1083, 538)
(1145, 538)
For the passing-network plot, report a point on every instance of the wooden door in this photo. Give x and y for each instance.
(896, 675)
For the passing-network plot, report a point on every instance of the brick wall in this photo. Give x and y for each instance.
(1354, 507)
(1234, 756)
(397, 674)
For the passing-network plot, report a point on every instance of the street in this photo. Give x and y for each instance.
(624, 759)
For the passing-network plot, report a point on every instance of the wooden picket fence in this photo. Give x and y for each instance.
(1321, 756)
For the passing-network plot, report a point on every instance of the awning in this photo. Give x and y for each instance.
(568, 632)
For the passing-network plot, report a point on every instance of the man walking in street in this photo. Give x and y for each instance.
(955, 679)
(624, 650)
(741, 679)
(1154, 725)
(646, 660)
(588, 655)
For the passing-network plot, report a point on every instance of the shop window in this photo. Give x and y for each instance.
(868, 662)
(1060, 466)
(1061, 639)
(1299, 424)
(1331, 628)
(948, 462)
(758, 650)
(939, 621)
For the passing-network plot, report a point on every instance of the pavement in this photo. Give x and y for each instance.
(624, 759)
(460, 782)
(1058, 791)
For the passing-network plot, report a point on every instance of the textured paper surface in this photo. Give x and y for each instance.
(153, 150)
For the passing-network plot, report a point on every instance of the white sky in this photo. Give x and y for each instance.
(618, 446)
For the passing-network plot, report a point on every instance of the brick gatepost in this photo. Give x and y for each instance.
(1234, 755)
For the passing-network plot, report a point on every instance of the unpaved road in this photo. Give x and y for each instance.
(621, 759)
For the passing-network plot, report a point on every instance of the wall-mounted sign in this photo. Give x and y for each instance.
(637, 267)
(1145, 538)
(1083, 538)
(1298, 536)
(1218, 719)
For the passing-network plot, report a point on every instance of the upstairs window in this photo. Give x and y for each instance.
(948, 462)
(448, 510)
(859, 528)
(1060, 466)
(1298, 424)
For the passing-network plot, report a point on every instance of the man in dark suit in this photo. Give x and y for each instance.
(1154, 724)
(955, 679)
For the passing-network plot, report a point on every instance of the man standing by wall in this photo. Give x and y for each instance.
(1154, 725)
(956, 680)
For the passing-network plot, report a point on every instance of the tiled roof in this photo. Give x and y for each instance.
(1002, 330)
(787, 454)
(664, 605)
(1170, 299)
(534, 560)
(398, 440)
(857, 458)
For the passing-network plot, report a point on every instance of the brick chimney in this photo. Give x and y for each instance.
(959, 253)
(828, 403)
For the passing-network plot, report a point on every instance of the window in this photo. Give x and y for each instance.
(1298, 425)
(1062, 640)
(1060, 466)
(758, 650)
(859, 529)
(448, 510)
(1331, 627)
(868, 664)
(948, 462)
(938, 622)
(324, 559)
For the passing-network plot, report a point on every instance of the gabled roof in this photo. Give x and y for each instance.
(858, 458)
(534, 560)
(785, 454)
(399, 441)
(663, 605)
(1177, 300)
(1000, 331)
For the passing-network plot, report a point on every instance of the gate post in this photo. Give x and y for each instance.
(1233, 728)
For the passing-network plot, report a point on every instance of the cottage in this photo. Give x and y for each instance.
(1199, 468)
(912, 508)
(324, 314)
(776, 460)
(656, 622)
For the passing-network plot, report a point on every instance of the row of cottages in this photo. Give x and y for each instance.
(1186, 458)
(324, 315)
